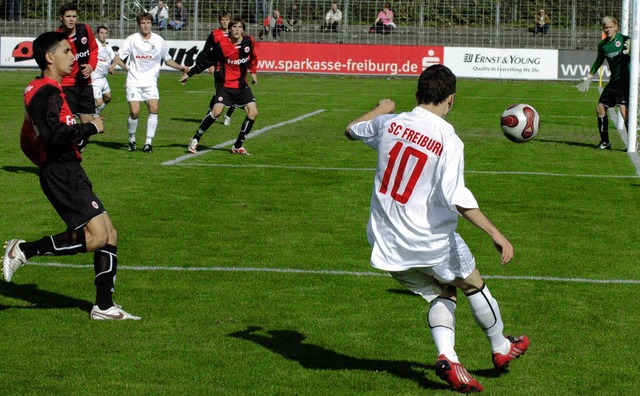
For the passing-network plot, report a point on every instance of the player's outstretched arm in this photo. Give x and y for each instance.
(385, 106)
(184, 78)
(117, 62)
(585, 83)
(175, 65)
(477, 218)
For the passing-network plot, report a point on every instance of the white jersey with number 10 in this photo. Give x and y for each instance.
(419, 181)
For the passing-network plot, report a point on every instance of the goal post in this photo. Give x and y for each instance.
(632, 116)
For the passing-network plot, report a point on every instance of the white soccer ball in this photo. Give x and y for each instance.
(520, 122)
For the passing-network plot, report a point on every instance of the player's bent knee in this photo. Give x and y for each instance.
(113, 237)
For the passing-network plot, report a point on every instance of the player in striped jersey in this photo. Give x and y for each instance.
(49, 138)
(77, 85)
(222, 32)
(237, 58)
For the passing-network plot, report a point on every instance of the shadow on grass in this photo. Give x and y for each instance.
(110, 145)
(290, 345)
(403, 292)
(219, 120)
(20, 169)
(39, 299)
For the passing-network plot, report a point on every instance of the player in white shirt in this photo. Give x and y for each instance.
(101, 89)
(144, 51)
(419, 191)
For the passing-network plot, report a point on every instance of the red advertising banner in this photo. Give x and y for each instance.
(346, 58)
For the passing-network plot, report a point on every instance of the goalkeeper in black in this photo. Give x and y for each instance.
(615, 49)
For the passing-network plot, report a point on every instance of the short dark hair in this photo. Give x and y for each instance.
(146, 16)
(223, 14)
(435, 85)
(102, 27)
(68, 7)
(46, 43)
(235, 21)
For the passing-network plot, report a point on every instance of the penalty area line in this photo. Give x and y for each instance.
(331, 272)
(249, 136)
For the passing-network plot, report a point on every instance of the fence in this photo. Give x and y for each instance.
(575, 24)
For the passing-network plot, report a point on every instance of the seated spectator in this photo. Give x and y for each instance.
(293, 19)
(332, 19)
(542, 23)
(160, 15)
(180, 17)
(384, 22)
(272, 24)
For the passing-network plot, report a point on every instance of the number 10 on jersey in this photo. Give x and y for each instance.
(402, 153)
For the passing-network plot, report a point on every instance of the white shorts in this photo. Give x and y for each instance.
(100, 87)
(142, 94)
(429, 282)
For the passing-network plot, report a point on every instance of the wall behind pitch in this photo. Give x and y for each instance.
(573, 65)
(494, 63)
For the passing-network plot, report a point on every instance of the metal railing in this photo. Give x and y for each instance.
(575, 24)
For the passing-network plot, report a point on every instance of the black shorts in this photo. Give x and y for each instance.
(80, 99)
(231, 97)
(615, 93)
(70, 192)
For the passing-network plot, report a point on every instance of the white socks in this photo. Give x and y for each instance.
(132, 126)
(152, 125)
(487, 315)
(442, 322)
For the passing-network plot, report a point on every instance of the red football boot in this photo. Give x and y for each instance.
(457, 376)
(518, 347)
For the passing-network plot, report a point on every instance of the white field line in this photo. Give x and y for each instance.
(331, 272)
(320, 168)
(249, 136)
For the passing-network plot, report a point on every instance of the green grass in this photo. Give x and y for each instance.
(301, 203)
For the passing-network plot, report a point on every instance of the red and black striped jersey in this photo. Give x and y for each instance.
(235, 59)
(85, 49)
(49, 131)
(218, 35)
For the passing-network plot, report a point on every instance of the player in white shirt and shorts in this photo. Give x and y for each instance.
(145, 51)
(101, 89)
(419, 191)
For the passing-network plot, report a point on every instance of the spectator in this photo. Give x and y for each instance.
(542, 22)
(180, 17)
(14, 10)
(272, 24)
(293, 19)
(384, 21)
(160, 15)
(332, 19)
(261, 10)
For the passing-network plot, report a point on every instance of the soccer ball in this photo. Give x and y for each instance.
(520, 122)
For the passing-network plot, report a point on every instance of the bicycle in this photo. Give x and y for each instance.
(134, 8)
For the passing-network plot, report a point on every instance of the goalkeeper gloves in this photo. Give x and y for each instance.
(627, 47)
(585, 83)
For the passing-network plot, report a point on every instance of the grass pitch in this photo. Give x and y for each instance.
(251, 273)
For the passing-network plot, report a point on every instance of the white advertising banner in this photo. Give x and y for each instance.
(502, 63)
(17, 52)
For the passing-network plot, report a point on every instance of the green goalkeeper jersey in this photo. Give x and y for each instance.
(611, 50)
